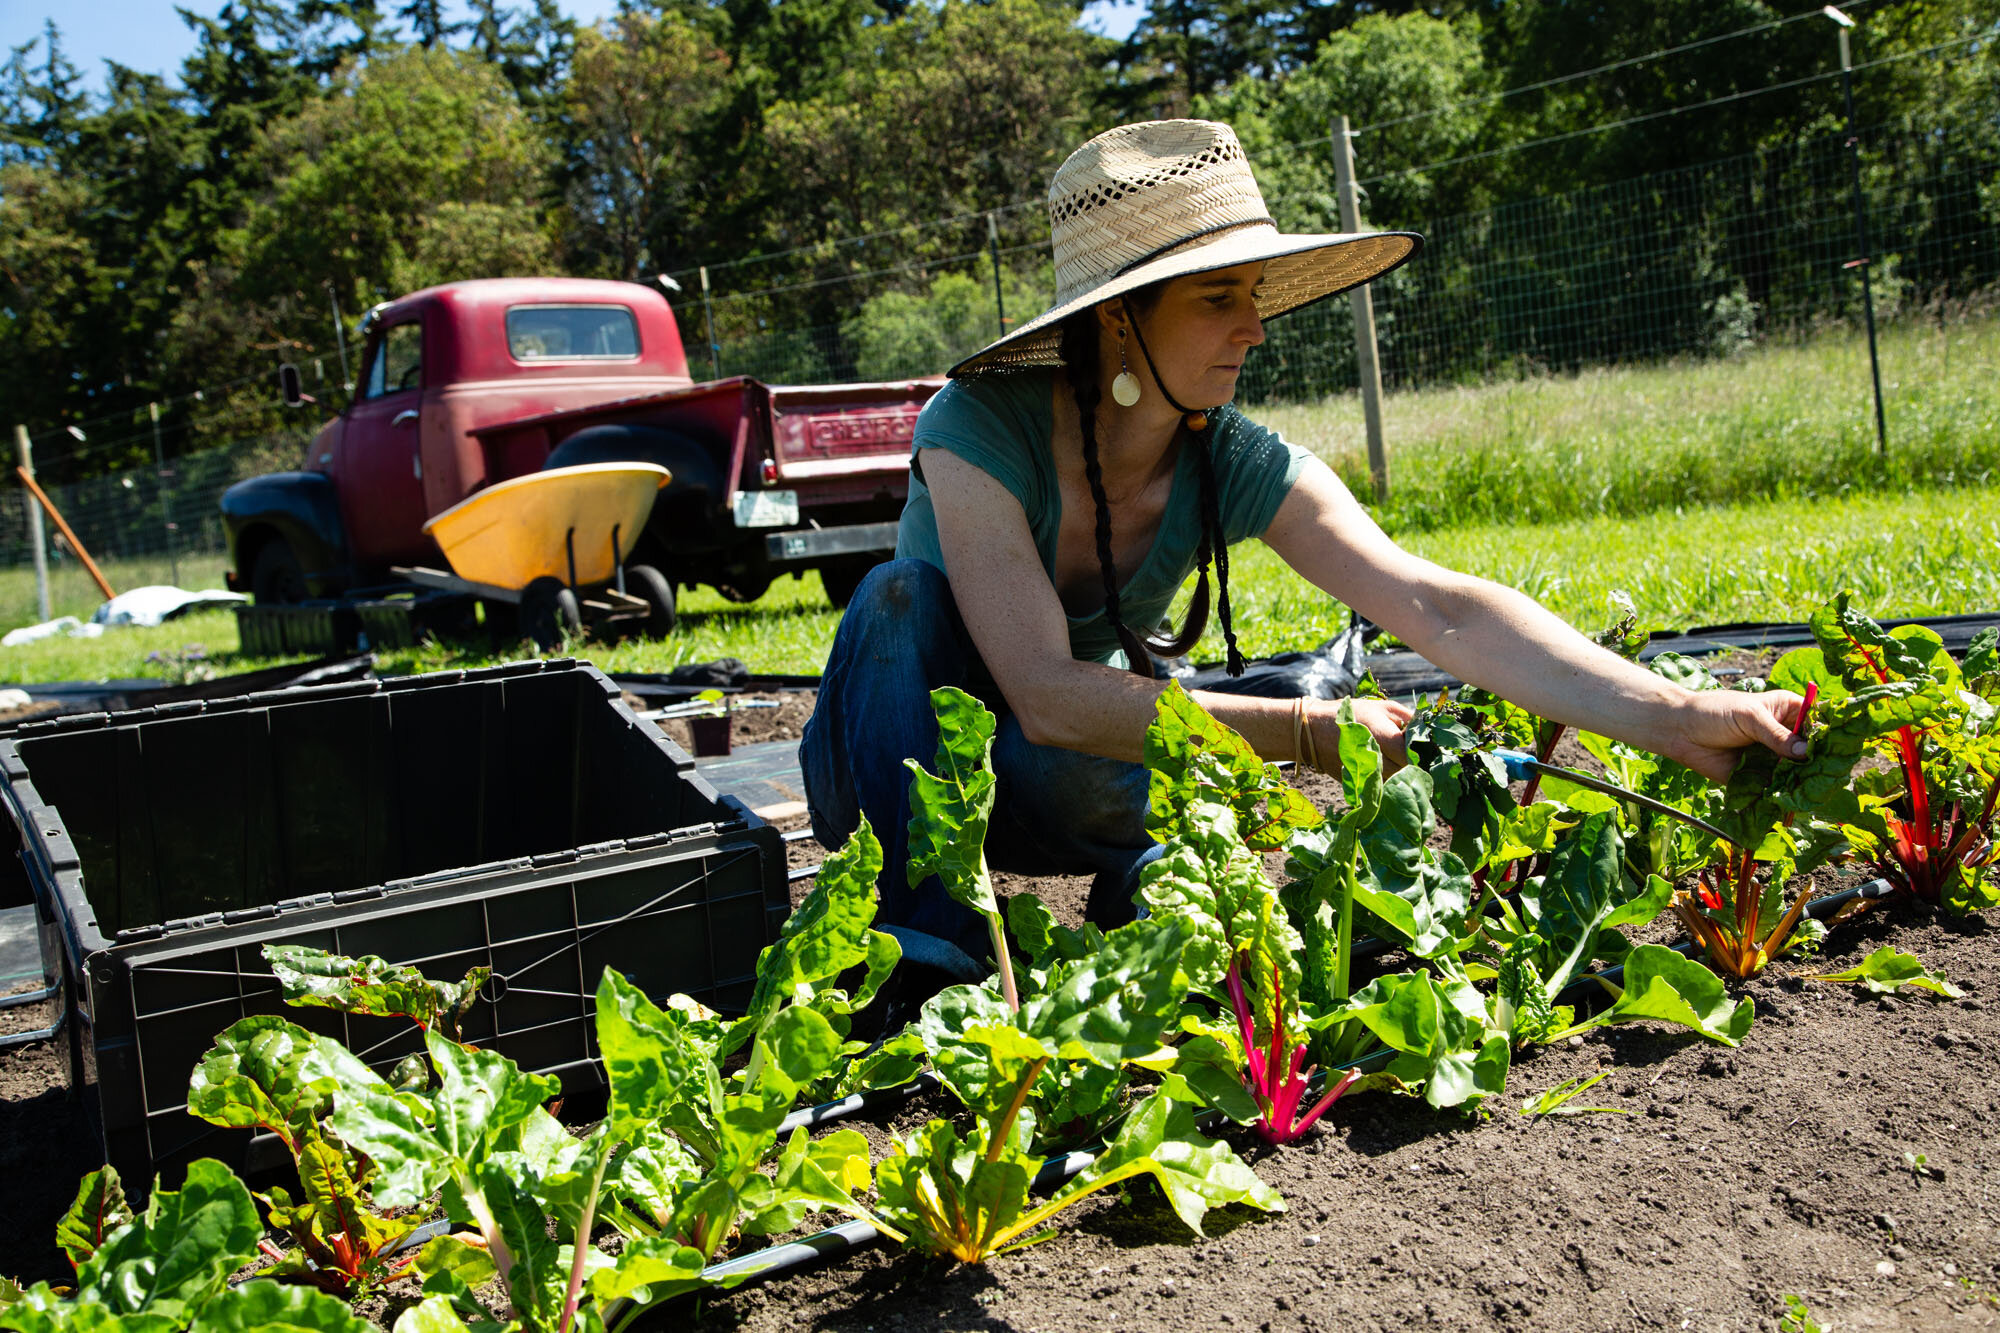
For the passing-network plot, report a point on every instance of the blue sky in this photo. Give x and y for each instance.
(149, 36)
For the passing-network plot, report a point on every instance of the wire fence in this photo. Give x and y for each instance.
(149, 511)
(1699, 261)
(1696, 262)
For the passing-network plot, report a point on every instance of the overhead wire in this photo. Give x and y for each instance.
(1738, 96)
(836, 243)
(1596, 70)
(1293, 145)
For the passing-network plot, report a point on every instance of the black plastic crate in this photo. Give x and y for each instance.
(517, 817)
(283, 629)
(346, 625)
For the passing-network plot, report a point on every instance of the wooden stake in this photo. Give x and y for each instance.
(1368, 360)
(75, 544)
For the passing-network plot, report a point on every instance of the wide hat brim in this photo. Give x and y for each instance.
(1299, 270)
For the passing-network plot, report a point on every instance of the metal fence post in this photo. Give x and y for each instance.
(1865, 261)
(708, 316)
(35, 538)
(339, 337)
(1368, 361)
(993, 249)
(166, 480)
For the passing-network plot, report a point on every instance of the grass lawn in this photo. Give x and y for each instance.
(1907, 555)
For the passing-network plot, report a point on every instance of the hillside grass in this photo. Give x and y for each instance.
(1780, 421)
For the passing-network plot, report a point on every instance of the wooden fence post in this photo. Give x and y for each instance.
(1369, 362)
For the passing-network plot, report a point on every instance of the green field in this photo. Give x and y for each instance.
(1918, 554)
(1747, 489)
(1785, 420)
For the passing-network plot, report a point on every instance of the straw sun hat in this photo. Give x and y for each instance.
(1165, 198)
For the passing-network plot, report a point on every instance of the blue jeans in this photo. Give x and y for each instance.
(1056, 811)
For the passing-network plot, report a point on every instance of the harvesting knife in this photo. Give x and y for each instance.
(1520, 767)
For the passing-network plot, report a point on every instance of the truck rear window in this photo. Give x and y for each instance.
(571, 332)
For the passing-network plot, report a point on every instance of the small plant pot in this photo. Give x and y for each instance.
(711, 735)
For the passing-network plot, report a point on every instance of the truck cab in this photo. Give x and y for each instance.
(472, 383)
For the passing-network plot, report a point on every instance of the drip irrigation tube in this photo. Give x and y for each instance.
(1818, 909)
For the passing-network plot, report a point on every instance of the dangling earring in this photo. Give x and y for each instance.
(1124, 385)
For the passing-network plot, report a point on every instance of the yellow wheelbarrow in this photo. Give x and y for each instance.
(554, 544)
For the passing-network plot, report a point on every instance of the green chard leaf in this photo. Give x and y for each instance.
(1207, 878)
(1661, 984)
(647, 1272)
(537, 1279)
(1043, 938)
(962, 1197)
(453, 1267)
(1159, 1139)
(651, 1059)
(370, 985)
(1195, 759)
(1449, 1052)
(99, 1209)
(826, 935)
(435, 1314)
(177, 1255)
(265, 1072)
(949, 810)
(1117, 1004)
(1886, 971)
(257, 1306)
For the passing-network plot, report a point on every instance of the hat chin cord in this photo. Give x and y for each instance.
(1195, 417)
(1214, 543)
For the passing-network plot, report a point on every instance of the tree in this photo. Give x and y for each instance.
(427, 22)
(40, 106)
(414, 170)
(643, 115)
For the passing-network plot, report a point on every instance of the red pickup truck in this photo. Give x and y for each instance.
(471, 383)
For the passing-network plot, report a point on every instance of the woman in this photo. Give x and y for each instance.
(1073, 475)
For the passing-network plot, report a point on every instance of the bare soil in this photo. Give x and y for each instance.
(1845, 1153)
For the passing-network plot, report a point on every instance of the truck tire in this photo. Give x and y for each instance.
(842, 574)
(276, 576)
(657, 591)
(549, 613)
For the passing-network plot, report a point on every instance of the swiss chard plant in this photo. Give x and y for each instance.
(1926, 820)
(1281, 964)
(967, 1193)
(167, 1267)
(265, 1072)
(949, 812)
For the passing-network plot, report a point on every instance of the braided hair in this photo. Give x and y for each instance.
(1079, 352)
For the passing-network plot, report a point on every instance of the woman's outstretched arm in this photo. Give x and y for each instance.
(1506, 642)
(1018, 625)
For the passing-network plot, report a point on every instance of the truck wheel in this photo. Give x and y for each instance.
(657, 591)
(276, 574)
(549, 613)
(843, 574)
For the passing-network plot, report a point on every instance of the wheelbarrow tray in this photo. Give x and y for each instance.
(510, 534)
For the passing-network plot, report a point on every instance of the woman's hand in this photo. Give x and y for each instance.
(1708, 730)
(1384, 718)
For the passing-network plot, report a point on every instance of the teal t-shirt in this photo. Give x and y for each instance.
(1001, 424)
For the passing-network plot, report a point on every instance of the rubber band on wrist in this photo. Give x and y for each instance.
(1304, 752)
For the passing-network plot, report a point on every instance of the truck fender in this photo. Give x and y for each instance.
(688, 517)
(300, 508)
